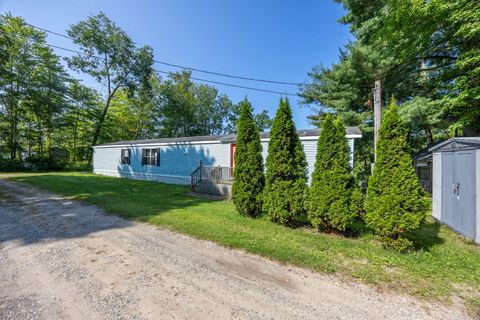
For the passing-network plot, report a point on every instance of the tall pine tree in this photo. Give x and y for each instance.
(394, 203)
(249, 179)
(286, 177)
(330, 204)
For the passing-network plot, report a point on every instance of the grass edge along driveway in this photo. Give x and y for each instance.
(444, 265)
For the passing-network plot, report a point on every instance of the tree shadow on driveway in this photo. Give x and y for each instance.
(30, 215)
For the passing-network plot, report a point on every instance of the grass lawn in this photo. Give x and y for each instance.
(444, 264)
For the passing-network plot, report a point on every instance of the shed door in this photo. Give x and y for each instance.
(465, 192)
(458, 194)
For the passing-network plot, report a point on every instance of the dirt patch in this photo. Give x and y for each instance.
(61, 259)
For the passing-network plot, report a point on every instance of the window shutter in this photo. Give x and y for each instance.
(143, 157)
(158, 156)
(129, 156)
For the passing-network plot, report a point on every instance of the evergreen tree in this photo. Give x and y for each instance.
(286, 177)
(249, 179)
(330, 205)
(394, 203)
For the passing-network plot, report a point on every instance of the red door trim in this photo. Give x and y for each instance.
(232, 154)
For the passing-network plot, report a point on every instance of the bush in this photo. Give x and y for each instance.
(394, 204)
(79, 166)
(56, 160)
(286, 178)
(249, 179)
(333, 202)
(7, 165)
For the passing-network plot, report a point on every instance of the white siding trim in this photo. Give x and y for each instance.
(348, 136)
(437, 186)
(477, 193)
(155, 144)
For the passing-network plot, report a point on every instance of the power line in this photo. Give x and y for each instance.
(237, 86)
(226, 75)
(49, 31)
(165, 72)
(189, 68)
(54, 46)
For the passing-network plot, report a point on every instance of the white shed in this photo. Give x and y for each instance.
(456, 185)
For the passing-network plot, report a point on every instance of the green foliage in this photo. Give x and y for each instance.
(425, 52)
(249, 179)
(331, 205)
(32, 89)
(42, 108)
(121, 63)
(185, 108)
(262, 119)
(11, 165)
(395, 203)
(286, 178)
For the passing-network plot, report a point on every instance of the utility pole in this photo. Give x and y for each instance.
(377, 113)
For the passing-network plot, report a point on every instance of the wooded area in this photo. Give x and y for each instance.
(50, 120)
(425, 53)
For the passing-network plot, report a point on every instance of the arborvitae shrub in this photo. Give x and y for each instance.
(249, 179)
(286, 177)
(395, 202)
(333, 202)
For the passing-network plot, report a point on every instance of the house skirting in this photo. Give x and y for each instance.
(218, 189)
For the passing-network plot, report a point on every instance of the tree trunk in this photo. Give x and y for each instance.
(75, 129)
(101, 121)
(429, 135)
(99, 126)
(40, 136)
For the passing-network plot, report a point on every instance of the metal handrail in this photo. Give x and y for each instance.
(217, 174)
(196, 177)
(213, 174)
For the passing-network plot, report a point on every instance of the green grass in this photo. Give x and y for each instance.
(443, 265)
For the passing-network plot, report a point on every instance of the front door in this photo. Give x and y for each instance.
(233, 147)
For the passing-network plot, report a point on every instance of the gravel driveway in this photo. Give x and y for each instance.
(61, 259)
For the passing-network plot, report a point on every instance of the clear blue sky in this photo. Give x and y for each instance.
(278, 40)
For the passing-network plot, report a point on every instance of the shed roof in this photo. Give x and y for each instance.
(425, 154)
(457, 143)
(351, 132)
(452, 144)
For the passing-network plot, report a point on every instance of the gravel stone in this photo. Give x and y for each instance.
(62, 259)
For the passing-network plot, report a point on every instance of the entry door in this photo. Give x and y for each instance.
(458, 194)
(233, 147)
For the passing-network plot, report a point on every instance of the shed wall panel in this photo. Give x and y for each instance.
(437, 186)
(477, 196)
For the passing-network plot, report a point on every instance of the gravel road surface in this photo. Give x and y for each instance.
(61, 259)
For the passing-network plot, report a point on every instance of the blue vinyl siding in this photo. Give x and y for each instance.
(175, 160)
(178, 161)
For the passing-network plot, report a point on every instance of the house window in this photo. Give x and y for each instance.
(125, 156)
(151, 157)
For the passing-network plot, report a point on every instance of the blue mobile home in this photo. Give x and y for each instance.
(173, 160)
